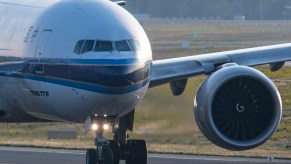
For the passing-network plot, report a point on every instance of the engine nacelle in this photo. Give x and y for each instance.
(238, 107)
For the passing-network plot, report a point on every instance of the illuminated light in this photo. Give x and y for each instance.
(105, 115)
(96, 115)
(94, 127)
(105, 126)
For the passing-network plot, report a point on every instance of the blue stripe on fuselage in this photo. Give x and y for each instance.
(73, 61)
(98, 75)
(81, 85)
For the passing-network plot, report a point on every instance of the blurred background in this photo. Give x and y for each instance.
(183, 28)
(213, 9)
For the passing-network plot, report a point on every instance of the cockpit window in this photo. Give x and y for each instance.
(134, 45)
(79, 46)
(122, 46)
(84, 46)
(103, 46)
(88, 46)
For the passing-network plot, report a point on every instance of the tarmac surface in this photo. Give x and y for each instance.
(16, 155)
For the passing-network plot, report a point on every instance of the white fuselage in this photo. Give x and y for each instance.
(64, 81)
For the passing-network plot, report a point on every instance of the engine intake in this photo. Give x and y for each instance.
(238, 108)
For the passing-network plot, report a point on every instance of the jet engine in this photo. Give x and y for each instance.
(237, 107)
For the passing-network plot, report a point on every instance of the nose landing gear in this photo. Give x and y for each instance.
(103, 153)
(92, 156)
(120, 148)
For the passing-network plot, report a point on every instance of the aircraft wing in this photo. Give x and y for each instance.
(175, 69)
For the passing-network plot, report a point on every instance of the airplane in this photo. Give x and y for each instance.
(90, 61)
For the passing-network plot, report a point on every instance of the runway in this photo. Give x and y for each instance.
(14, 155)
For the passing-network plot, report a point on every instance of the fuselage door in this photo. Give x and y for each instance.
(40, 51)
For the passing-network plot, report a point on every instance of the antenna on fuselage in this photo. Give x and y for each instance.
(120, 3)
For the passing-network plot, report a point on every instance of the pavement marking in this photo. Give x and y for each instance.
(161, 156)
(39, 150)
(195, 158)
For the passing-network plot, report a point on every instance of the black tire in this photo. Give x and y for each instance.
(108, 156)
(91, 156)
(138, 152)
(115, 150)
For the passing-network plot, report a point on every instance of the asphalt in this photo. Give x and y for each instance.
(15, 155)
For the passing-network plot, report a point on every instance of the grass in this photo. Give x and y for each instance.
(166, 121)
(212, 36)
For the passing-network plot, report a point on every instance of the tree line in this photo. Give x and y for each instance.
(224, 9)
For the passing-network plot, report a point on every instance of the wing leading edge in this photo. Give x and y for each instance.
(169, 70)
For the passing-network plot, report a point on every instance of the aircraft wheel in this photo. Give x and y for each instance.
(108, 156)
(91, 156)
(138, 152)
(115, 150)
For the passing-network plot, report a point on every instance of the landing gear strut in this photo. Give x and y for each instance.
(103, 153)
(120, 148)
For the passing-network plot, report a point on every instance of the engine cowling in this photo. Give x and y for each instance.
(238, 107)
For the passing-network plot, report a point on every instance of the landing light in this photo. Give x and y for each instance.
(94, 127)
(105, 126)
